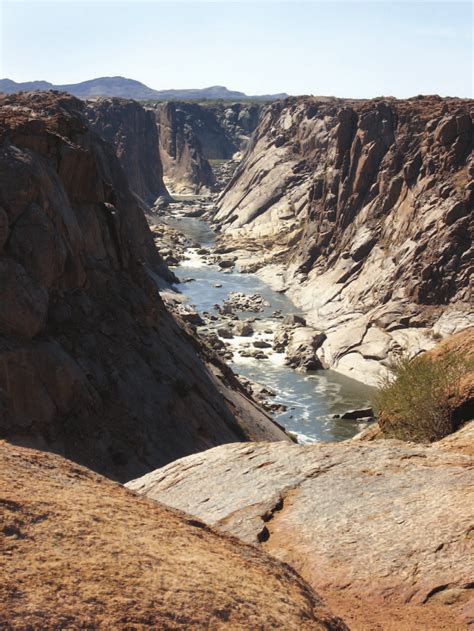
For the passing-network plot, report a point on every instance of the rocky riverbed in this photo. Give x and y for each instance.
(257, 330)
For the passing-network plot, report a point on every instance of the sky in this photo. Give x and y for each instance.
(347, 49)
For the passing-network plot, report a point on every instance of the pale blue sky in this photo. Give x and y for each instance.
(358, 49)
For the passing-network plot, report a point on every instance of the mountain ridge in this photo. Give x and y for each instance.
(130, 88)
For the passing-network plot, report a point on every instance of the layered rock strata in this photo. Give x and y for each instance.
(79, 551)
(92, 365)
(383, 529)
(362, 211)
(131, 129)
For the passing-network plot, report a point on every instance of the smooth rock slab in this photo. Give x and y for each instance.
(382, 524)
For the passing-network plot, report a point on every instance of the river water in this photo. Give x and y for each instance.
(312, 398)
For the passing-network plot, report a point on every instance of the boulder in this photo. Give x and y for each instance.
(280, 338)
(242, 328)
(189, 315)
(447, 130)
(352, 415)
(225, 332)
(302, 346)
(261, 344)
(226, 263)
(293, 320)
(245, 302)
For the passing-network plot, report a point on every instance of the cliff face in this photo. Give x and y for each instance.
(191, 134)
(79, 551)
(185, 167)
(369, 203)
(132, 131)
(91, 363)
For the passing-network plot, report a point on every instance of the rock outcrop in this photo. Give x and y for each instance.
(185, 167)
(383, 530)
(191, 134)
(79, 551)
(131, 129)
(92, 365)
(366, 210)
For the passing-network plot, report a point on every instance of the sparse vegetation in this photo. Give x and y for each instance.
(422, 399)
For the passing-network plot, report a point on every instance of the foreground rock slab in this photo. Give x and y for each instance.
(383, 530)
(79, 551)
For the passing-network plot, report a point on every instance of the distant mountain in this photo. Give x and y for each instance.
(8, 86)
(130, 89)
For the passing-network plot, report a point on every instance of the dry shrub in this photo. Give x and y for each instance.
(424, 399)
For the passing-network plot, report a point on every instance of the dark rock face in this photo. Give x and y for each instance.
(371, 202)
(184, 165)
(91, 363)
(191, 134)
(222, 129)
(132, 131)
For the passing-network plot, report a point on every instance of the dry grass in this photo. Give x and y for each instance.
(82, 552)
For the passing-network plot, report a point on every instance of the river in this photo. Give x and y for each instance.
(312, 398)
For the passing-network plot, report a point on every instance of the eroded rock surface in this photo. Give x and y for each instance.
(191, 134)
(362, 211)
(79, 551)
(382, 529)
(92, 365)
(185, 168)
(131, 129)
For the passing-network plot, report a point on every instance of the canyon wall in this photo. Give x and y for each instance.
(362, 211)
(132, 131)
(92, 365)
(191, 134)
(185, 167)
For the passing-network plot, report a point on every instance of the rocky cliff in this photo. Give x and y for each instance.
(91, 363)
(362, 211)
(132, 131)
(79, 551)
(185, 167)
(382, 530)
(191, 134)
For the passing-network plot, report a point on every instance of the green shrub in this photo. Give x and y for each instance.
(419, 401)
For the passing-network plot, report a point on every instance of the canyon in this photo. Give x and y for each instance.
(92, 365)
(192, 134)
(354, 221)
(362, 212)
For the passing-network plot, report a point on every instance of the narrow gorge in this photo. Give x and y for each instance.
(199, 302)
